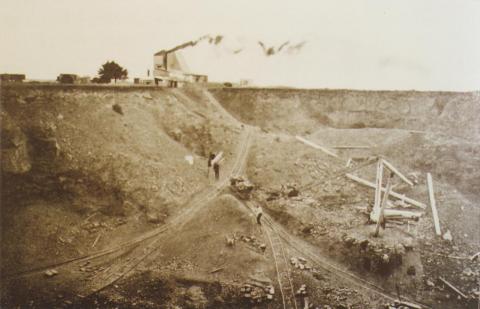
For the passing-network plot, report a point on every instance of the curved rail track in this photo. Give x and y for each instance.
(321, 262)
(127, 263)
(282, 267)
(129, 254)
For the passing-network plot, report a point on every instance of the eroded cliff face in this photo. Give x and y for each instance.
(303, 111)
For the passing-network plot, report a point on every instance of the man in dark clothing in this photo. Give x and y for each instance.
(258, 213)
(216, 169)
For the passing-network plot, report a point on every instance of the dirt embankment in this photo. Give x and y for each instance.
(304, 111)
(107, 160)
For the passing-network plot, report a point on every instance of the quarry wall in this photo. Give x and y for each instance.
(301, 111)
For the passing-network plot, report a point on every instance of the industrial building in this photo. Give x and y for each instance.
(171, 69)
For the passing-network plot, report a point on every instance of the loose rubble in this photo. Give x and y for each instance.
(257, 293)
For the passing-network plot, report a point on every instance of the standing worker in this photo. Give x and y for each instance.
(211, 156)
(216, 169)
(258, 213)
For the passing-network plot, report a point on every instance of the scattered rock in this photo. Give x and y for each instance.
(293, 192)
(230, 241)
(195, 298)
(302, 291)
(430, 283)
(308, 229)
(51, 272)
(176, 134)
(318, 276)
(468, 272)
(411, 271)
(447, 236)
(408, 244)
(152, 217)
(117, 108)
(242, 186)
(400, 249)
(364, 244)
(257, 293)
(299, 262)
(189, 159)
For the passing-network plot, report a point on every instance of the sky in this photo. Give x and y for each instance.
(356, 44)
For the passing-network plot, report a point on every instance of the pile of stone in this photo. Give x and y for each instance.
(300, 263)
(242, 187)
(88, 268)
(252, 240)
(284, 191)
(256, 293)
(302, 291)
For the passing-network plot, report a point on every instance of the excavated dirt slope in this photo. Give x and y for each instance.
(68, 155)
(115, 179)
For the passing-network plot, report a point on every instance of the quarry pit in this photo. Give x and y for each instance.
(107, 200)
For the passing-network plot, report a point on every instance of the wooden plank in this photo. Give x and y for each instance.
(350, 147)
(408, 304)
(378, 186)
(384, 204)
(217, 158)
(453, 287)
(217, 270)
(96, 240)
(89, 217)
(392, 193)
(401, 213)
(475, 256)
(311, 144)
(436, 221)
(397, 172)
(395, 214)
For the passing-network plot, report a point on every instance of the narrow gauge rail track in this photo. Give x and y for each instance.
(282, 267)
(321, 262)
(189, 210)
(120, 269)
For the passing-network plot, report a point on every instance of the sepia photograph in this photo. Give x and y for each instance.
(212, 154)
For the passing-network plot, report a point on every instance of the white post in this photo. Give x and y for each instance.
(378, 186)
(433, 204)
(381, 216)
